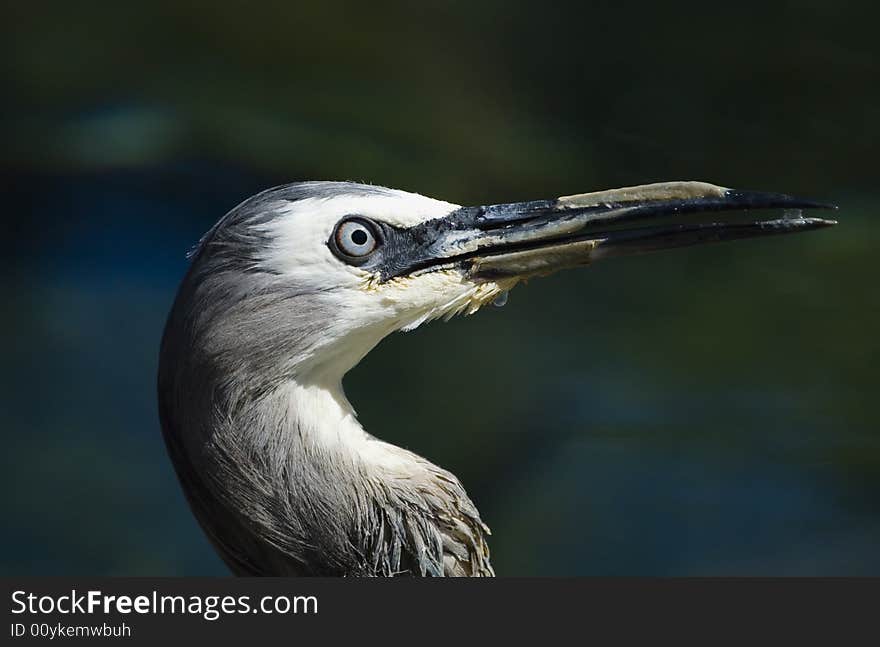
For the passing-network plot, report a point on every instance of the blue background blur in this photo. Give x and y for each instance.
(704, 411)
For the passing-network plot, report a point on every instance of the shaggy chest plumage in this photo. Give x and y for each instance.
(301, 489)
(296, 487)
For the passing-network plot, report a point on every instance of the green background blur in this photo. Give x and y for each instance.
(703, 411)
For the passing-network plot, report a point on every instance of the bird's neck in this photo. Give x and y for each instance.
(318, 418)
(278, 471)
(289, 483)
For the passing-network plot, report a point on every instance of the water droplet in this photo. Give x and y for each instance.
(500, 300)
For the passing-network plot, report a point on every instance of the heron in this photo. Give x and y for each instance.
(294, 286)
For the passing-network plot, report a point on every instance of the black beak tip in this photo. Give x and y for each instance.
(820, 205)
(799, 224)
(762, 200)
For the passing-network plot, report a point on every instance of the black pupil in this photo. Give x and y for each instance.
(359, 237)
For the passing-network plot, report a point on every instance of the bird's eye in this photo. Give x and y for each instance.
(355, 239)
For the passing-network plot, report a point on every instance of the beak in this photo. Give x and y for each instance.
(540, 237)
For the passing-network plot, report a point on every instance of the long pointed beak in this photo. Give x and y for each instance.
(540, 237)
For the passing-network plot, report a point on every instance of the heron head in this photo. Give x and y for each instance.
(313, 275)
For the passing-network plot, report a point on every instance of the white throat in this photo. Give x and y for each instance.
(327, 423)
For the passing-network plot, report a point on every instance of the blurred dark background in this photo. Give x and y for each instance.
(705, 411)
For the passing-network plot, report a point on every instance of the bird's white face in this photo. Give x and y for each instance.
(361, 306)
(370, 261)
